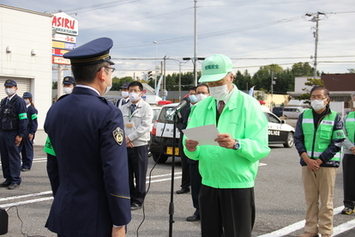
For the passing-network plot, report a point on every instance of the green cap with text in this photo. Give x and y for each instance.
(215, 68)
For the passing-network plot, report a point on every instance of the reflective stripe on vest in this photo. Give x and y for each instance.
(316, 142)
(350, 126)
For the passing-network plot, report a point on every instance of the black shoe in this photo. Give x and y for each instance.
(193, 218)
(135, 206)
(183, 190)
(4, 184)
(25, 169)
(12, 186)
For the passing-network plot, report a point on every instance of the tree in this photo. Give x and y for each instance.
(302, 69)
(351, 70)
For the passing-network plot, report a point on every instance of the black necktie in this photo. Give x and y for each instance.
(133, 108)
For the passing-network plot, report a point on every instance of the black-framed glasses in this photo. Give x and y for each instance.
(112, 69)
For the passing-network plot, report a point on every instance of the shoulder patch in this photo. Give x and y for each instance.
(118, 135)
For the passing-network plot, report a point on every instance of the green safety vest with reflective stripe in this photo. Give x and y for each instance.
(317, 141)
(350, 126)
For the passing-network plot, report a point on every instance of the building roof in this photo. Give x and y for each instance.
(339, 82)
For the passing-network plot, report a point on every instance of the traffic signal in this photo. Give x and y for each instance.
(150, 75)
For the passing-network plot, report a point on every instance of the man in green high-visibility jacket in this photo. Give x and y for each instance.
(318, 139)
(228, 169)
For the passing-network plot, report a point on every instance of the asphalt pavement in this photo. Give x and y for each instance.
(280, 206)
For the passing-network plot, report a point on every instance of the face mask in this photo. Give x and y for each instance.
(124, 93)
(354, 104)
(27, 101)
(193, 99)
(134, 96)
(108, 88)
(200, 97)
(317, 104)
(9, 91)
(219, 92)
(67, 90)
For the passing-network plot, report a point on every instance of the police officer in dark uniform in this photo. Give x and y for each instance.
(125, 95)
(27, 141)
(68, 84)
(13, 125)
(87, 135)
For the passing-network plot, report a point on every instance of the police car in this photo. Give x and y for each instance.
(161, 135)
(279, 131)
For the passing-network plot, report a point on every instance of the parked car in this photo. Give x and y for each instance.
(292, 112)
(279, 131)
(161, 136)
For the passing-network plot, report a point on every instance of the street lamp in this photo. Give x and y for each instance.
(155, 64)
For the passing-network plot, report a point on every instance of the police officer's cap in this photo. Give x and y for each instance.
(10, 82)
(93, 52)
(125, 85)
(68, 80)
(27, 95)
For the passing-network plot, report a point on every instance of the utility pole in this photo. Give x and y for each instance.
(195, 42)
(315, 18)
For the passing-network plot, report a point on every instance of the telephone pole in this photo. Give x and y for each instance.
(315, 17)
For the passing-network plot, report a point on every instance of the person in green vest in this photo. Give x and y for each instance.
(318, 139)
(349, 163)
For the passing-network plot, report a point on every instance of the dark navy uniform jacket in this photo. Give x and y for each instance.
(87, 135)
(32, 120)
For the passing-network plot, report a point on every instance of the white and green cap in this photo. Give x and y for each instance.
(215, 68)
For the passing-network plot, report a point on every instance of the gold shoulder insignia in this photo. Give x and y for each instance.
(118, 135)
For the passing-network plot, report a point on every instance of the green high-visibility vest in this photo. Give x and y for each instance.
(317, 141)
(350, 126)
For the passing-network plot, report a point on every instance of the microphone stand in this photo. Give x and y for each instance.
(171, 205)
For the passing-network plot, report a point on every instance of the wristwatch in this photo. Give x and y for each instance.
(236, 145)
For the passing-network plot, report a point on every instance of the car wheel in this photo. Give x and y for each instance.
(159, 158)
(289, 142)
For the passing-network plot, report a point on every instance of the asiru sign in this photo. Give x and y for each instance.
(64, 24)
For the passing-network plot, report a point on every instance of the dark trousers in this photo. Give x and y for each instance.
(10, 157)
(195, 179)
(185, 179)
(27, 152)
(226, 212)
(349, 180)
(53, 173)
(138, 165)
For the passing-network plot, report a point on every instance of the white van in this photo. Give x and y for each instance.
(292, 112)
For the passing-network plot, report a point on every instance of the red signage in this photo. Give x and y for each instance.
(60, 60)
(59, 52)
(65, 24)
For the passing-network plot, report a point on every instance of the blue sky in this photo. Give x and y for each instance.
(253, 33)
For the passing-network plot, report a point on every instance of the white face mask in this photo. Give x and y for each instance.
(193, 99)
(354, 104)
(134, 96)
(27, 101)
(317, 104)
(200, 97)
(108, 88)
(67, 90)
(124, 94)
(219, 92)
(9, 91)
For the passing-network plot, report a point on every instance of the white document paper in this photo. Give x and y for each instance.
(205, 135)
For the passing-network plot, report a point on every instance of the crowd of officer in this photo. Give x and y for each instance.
(18, 125)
